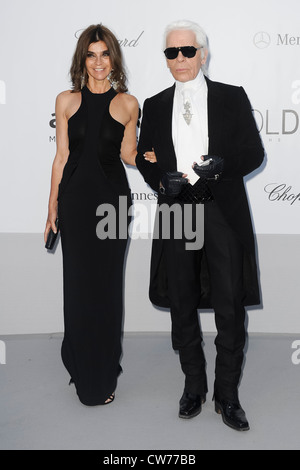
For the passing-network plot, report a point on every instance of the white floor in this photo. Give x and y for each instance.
(39, 410)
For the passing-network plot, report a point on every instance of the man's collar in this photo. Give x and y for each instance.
(195, 84)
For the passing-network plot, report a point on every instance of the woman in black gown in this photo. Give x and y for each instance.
(95, 125)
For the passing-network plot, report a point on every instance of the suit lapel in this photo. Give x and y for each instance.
(215, 111)
(165, 119)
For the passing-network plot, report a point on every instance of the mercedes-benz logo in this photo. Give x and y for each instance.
(262, 40)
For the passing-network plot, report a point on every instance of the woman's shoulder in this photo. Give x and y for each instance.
(67, 100)
(128, 100)
(67, 96)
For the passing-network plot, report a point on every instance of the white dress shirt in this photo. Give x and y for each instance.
(190, 140)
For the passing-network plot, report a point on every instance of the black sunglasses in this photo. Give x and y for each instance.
(187, 51)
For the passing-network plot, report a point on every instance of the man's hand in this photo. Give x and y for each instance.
(210, 168)
(150, 156)
(172, 182)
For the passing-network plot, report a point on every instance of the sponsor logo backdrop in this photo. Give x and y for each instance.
(255, 44)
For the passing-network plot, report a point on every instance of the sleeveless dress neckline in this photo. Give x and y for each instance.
(98, 94)
(94, 177)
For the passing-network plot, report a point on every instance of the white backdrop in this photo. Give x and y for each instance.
(254, 44)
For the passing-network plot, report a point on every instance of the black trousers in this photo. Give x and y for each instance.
(224, 255)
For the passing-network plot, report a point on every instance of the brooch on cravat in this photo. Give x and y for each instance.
(187, 114)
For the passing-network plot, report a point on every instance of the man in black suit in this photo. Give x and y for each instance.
(198, 120)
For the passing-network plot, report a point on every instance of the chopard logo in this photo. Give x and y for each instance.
(125, 42)
(281, 193)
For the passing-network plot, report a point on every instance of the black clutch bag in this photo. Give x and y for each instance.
(51, 239)
(197, 193)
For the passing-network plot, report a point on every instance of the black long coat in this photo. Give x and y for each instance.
(233, 135)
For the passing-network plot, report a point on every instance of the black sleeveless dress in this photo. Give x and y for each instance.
(92, 267)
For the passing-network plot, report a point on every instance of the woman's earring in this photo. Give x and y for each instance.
(82, 81)
(113, 83)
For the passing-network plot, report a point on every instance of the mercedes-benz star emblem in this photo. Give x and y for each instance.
(262, 40)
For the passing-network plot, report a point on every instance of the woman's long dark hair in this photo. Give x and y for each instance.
(95, 33)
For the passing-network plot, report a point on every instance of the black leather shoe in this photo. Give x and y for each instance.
(190, 405)
(232, 414)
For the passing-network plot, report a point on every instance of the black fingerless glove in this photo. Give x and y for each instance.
(211, 168)
(172, 183)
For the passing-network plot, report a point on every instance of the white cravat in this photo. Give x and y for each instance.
(190, 140)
